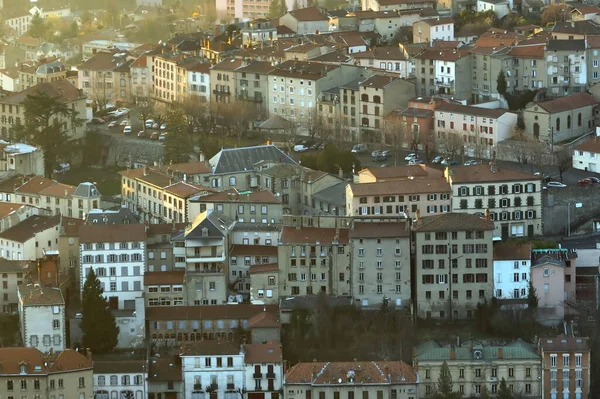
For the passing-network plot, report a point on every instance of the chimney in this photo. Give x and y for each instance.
(452, 354)
(493, 166)
(146, 171)
(88, 353)
(487, 214)
(500, 354)
(417, 214)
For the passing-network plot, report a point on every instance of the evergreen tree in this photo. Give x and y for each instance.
(532, 298)
(485, 393)
(296, 5)
(274, 8)
(37, 26)
(503, 391)
(100, 331)
(501, 83)
(444, 386)
(283, 8)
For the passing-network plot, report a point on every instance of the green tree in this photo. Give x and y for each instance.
(532, 298)
(100, 331)
(485, 393)
(274, 9)
(283, 8)
(503, 391)
(177, 145)
(444, 386)
(37, 26)
(45, 125)
(501, 83)
(296, 5)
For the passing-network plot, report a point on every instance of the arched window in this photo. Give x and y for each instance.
(364, 97)
(114, 380)
(376, 99)
(579, 119)
(101, 380)
(568, 121)
(232, 181)
(557, 124)
(536, 130)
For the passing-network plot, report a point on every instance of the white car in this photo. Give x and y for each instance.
(556, 184)
(410, 156)
(123, 111)
(127, 129)
(163, 136)
(149, 123)
(359, 148)
(163, 126)
(300, 148)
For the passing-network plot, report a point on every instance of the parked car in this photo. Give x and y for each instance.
(127, 129)
(141, 133)
(375, 153)
(595, 180)
(586, 181)
(378, 157)
(415, 161)
(300, 148)
(556, 184)
(98, 121)
(471, 162)
(386, 153)
(63, 168)
(155, 126)
(113, 124)
(438, 159)
(154, 136)
(163, 126)
(163, 136)
(360, 148)
(123, 111)
(410, 156)
(124, 122)
(149, 123)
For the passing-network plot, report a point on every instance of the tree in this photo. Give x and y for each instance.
(555, 12)
(100, 331)
(283, 8)
(532, 298)
(563, 161)
(503, 391)
(444, 386)
(37, 26)
(274, 9)
(485, 393)
(451, 144)
(501, 83)
(46, 122)
(296, 5)
(178, 145)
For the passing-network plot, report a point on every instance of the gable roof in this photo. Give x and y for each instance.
(592, 145)
(39, 364)
(565, 344)
(452, 222)
(305, 235)
(470, 110)
(336, 373)
(483, 173)
(263, 353)
(63, 90)
(509, 251)
(37, 295)
(231, 160)
(215, 223)
(91, 233)
(401, 187)
(574, 101)
(29, 227)
(309, 14)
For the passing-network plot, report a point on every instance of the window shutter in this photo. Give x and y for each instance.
(534, 212)
(508, 202)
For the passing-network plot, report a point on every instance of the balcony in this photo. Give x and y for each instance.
(197, 387)
(444, 83)
(230, 387)
(271, 376)
(257, 376)
(212, 387)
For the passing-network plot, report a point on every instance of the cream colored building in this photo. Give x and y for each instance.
(513, 198)
(465, 242)
(105, 78)
(310, 20)
(12, 272)
(42, 72)
(474, 365)
(222, 81)
(29, 239)
(264, 284)
(380, 261)
(333, 380)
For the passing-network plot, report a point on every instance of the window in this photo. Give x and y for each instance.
(553, 360)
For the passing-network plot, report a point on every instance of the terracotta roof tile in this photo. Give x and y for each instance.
(158, 278)
(378, 81)
(6, 208)
(35, 295)
(302, 69)
(69, 360)
(565, 344)
(102, 61)
(533, 51)
(58, 190)
(483, 173)
(263, 353)
(402, 172)
(165, 369)
(29, 227)
(438, 21)
(565, 103)
(263, 320)
(253, 250)
(336, 373)
(70, 226)
(452, 222)
(508, 251)
(91, 233)
(441, 55)
(257, 197)
(312, 235)
(35, 185)
(264, 268)
(402, 187)
(228, 64)
(209, 347)
(63, 90)
(592, 145)
(184, 190)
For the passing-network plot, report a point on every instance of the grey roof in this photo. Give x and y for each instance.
(13, 266)
(566, 45)
(232, 160)
(275, 122)
(353, 85)
(86, 190)
(335, 194)
(120, 216)
(548, 259)
(579, 27)
(217, 224)
(432, 351)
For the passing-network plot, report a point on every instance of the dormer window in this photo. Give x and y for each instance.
(23, 368)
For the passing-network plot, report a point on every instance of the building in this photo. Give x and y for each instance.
(264, 284)
(42, 317)
(465, 242)
(13, 214)
(105, 78)
(264, 370)
(29, 239)
(13, 272)
(198, 80)
(68, 248)
(165, 377)
(562, 119)
(159, 249)
(23, 159)
(480, 129)
(311, 20)
(141, 77)
(170, 72)
(314, 259)
(500, 7)
(567, 67)
(389, 5)
(380, 261)
(393, 59)
(222, 81)
(328, 380)
(252, 82)
(586, 155)
(444, 72)
(165, 288)
(201, 249)
(29, 372)
(46, 70)
(119, 378)
(241, 260)
(512, 270)
(259, 30)
(475, 364)
(116, 253)
(409, 195)
(565, 366)
(432, 30)
(13, 111)
(513, 198)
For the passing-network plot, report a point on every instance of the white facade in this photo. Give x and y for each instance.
(586, 159)
(423, 32)
(33, 247)
(499, 8)
(19, 24)
(42, 326)
(511, 278)
(119, 385)
(248, 236)
(258, 376)
(199, 85)
(120, 268)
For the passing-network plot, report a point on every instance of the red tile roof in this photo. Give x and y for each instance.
(37, 363)
(313, 235)
(253, 250)
(533, 51)
(91, 233)
(483, 173)
(69, 360)
(508, 251)
(452, 222)
(209, 347)
(401, 187)
(264, 268)
(35, 295)
(164, 278)
(28, 228)
(566, 103)
(592, 145)
(263, 353)
(264, 320)
(336, 373)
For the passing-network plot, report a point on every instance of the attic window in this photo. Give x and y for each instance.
(204, 232)
(23, 369)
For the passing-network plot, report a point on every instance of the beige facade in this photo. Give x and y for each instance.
(222, 81)
(242, 258)
(444, 72)
(475, 365)
(264, 284)
(465, 242)
(105, 78)
(165, 288)
(565, 366)
(12, 273)
(513, 198)
(42, 72)
(304, 21)
(487, 63)
(252, 82)
(380, 262)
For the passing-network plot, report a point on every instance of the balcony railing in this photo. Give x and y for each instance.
(271, 375)
(257, 376)
(197, 387)
(230, 387)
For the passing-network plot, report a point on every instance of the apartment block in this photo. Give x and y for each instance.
(393, 59)
(165, 288)
(46, 70)
(566, 62)
(222, 81)
(444, 72)
(251, 88)
(565, 366)
(512, 270)
(29, 239)
(432, 30)
(453, 265)
(105, 78)
(241, 260)
(253, 207)
(13, 272)
(513, 199)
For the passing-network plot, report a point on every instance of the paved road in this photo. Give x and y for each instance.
(117, 131)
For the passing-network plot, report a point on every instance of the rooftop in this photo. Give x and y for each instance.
(92, 233)
(351, 373)
(378, 81)
(565, 344)
(309, 14)
(561, 104)
(209, 347)
(37, 363)
(29, 227)
(403, 172)
(230, 160)
(303, 70)
(380, 229)
(63, 90)
(263, 353)
(470, 110)
(232, 195)
(263, 320)
(484, 173)
(517, 350)
(226, 312)
(313, 235)
(592, 145)
(38, 295)
(452, 222)
(509, 251)
(401, 187)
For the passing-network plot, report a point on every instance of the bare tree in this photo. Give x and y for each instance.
(313, 122)
(562, 160)
(394, 135)
(451, 144)
(430, 145)
(99, 85)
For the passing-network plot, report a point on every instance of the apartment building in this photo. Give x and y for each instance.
(474, 365)
(512, 270)
(251, 87)
(399, 172)
(105, 78)
(564, 118)
(241, 260)
(201, 249)
(29, 239)
(29, 372)
(587, 155)
(264, 370)
(161, 194)
(463, 241)
(379, 95)
(387, 198)
(253, 207)
(310, 20)
(512, 198)
(565, 366)
(444, 72)
(313, 260)
(593, 60)
(567, 67)
(328, 380)
(42, 317)
(12, 272)
(198, 80)
(390, 5)
(525, 68)
(380, 261)
(140, 70)
(165, 288)
(264, 284)
(480, 129)
(159, 249)
(487, 63)
(393, 59)
(13, 111)
(116, 254)
(258, 31)
(222, 81)
(432, 30)
(122, 378)
(46, 70)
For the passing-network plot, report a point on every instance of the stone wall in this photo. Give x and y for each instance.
(119, 150)
(556, 203)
